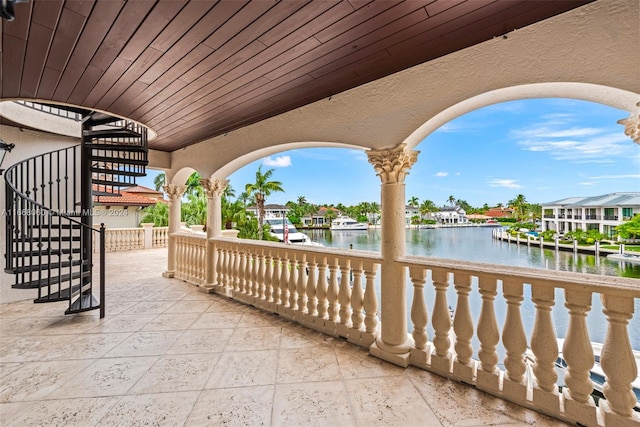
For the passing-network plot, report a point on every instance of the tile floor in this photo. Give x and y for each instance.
(168, 355)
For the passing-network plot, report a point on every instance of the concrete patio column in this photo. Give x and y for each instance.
(214, 188)
(392, 166)
(175, 192)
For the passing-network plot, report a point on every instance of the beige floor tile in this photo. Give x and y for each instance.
(262, 338)
(359, 364)
(163, 409)
(106, 377)
(150, 307)
(242, 369)
(211, 320)
(34, 348)
(389, 401)
(319, 404)
(38, 380)
(189, 306)
(196, 341)
(64, 413)
(25, 326)
(245, 406)
(123, 323)
(188, 372)
(145, 344)
(307, 364)
(171, 322)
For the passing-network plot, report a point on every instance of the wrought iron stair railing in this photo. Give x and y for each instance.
(50, 231)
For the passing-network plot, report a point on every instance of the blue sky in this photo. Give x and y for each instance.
(545, 149)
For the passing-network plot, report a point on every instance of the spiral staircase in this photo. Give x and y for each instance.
(51, 238)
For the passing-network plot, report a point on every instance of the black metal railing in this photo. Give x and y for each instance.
(46, 244)
(50, 109)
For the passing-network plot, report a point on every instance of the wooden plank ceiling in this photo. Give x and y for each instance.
(192, 70)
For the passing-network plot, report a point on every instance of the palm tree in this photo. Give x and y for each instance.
(330, 215)
(451, 200)
(520, 205)
(260, 190)
(159, 181)
(413, 202)
(428, 207)
(302, 200)
(193, 184)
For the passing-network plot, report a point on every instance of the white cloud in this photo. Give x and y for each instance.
(278, 162)
(626, 176)
(557, 135)
(506, 183)
(441, 174)
(588, 183)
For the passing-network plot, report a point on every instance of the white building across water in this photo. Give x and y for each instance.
(603, 213)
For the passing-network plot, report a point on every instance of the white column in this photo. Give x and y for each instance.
(213, 188)
(175, 192)
(392, 166)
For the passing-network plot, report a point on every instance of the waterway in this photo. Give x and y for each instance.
(477, 245)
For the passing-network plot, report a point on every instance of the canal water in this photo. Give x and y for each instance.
(476, 244)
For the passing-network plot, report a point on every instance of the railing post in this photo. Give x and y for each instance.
(515, 342)
(419, 317)
(213, 188)
(102, 272)
(148, 235)
(463, 366)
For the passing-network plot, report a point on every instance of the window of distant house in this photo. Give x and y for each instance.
(627, 213)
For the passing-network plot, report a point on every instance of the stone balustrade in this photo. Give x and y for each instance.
(191, 252)
(529, 375)
(494, 347)
(160, 237)
(126, 239)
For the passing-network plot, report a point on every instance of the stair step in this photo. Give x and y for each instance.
(83, 303)
(106, 159)
(111, 133)
(97, 119)
(47, 266)
(104, 193)
(113, 183)
(54, 280)
(63, 294)
(117, 147)
(46, 252)
(48, 238)
(117, 172)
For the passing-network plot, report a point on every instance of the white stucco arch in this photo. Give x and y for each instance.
(600, 94)
(244, 160)
(181, 176)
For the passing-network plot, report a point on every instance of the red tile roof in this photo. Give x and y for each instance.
(128, 197)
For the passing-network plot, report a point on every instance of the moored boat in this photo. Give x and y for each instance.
(345, 223)
(634, 259)
(284, 230)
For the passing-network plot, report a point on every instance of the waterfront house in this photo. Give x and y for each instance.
(603, 213)
(451, 215)
(211, 87)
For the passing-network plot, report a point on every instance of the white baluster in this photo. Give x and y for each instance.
(515, 342)
(617, 361)
(332, 291)
(357, 297)
(544, 345)
(370, 301)
(441, 321)
(268, 277)
(489, 336)
(283, 282)
(578, 353)
(321, 291)
(344, 294)
(293, 279)
(463, 366)
(301, 285)
(260, 275)
(419, 315)
(312, 302)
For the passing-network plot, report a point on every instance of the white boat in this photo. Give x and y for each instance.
(634, 259)
(283, 229)
(345, 223)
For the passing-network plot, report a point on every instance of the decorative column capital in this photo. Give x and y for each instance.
(392, 165)
(174, 191)
(214, 186)
(632, 127)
